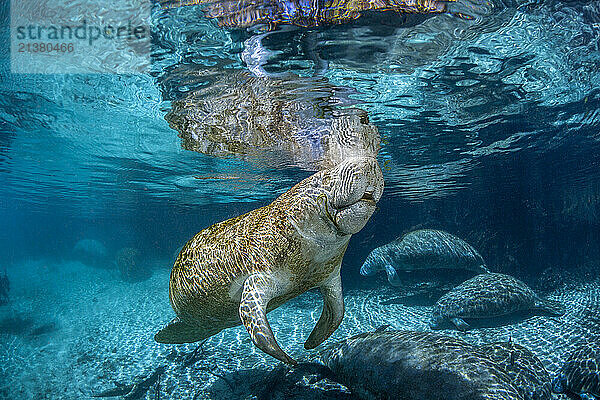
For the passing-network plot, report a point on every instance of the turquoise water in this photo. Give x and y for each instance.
(488, 119)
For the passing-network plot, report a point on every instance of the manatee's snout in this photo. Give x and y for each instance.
(357, 187)
(356, 179)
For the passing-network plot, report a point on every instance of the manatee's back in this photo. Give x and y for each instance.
(582, 369)
(212, 261)
(433, 249)
(527, 371)
(416, 365)
(487, 295)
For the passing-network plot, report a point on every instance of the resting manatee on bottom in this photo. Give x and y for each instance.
(411, 365)
(580, 375)
(236, 271)
(525, 370)
(488, 296)
(423, 249)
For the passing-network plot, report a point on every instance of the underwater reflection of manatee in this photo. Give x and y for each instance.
(277, 122)
(271, 14)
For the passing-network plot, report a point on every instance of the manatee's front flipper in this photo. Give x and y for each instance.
(258, 290)
(460, 324)
(392, 276)
(332, 314)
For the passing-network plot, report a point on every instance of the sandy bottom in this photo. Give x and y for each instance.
(72, 331)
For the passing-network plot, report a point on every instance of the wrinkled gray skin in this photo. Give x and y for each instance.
(580, 375)
(526, 371)
(487, 296)
(413, 365)
(423, 249)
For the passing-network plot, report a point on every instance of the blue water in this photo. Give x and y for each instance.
(490, 130)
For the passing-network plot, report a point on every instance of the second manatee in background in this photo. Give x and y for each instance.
(486, 296)
(423, 249)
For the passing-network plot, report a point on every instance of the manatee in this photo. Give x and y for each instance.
(487, 296)
(526, 371)
(416, 365)
(236, 271)
(580, 375)
(422, 249)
